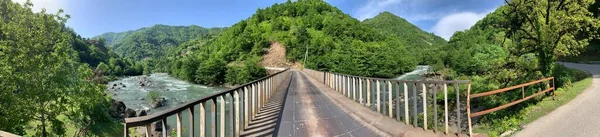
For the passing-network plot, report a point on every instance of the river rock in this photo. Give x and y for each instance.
(117, 109)
(129, 113)
(159, 103)
(141, 113)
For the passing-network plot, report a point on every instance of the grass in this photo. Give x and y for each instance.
(533, 112)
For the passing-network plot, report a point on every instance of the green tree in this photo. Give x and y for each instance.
(550, 28)
(39, 76)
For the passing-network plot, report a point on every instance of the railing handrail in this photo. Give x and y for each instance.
(144, 120)
(408, 81)
(524, 98)
(509, 88)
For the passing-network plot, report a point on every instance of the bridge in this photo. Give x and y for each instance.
(313, 103)
(307, 102)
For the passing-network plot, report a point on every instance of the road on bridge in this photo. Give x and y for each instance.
(308, 112)
(578, 118)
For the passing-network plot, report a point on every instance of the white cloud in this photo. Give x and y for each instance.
(374, 7)
(51, 6)
(449, 24)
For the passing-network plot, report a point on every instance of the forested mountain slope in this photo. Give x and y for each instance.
(336, 42)
(153, 42)
(422, 44)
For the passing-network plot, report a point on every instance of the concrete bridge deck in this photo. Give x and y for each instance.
(304, 107)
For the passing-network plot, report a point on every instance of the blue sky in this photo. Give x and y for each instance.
(94, 17)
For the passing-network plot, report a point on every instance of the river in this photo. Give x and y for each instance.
(176, 91)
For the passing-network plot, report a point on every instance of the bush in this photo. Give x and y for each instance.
(565, 76)
(153, 96)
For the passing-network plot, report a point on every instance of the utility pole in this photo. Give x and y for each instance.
(305, 56)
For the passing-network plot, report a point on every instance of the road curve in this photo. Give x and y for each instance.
(578, 118)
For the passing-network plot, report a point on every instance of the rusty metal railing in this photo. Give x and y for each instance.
(245, 102)
(386, 96)
(470, 97)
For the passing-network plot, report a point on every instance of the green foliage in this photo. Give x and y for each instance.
(211, 72)
(519, 43)
(551, 29)
(422, 45)
(153, 96)
(40, 77)
(335, 42)
(153, 42)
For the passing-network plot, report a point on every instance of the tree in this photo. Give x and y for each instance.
(38, 72)
(550, 28)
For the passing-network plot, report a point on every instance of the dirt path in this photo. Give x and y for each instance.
(275, 57)
(578, 118)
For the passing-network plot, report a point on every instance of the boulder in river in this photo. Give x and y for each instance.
(129, 113)
(141, 112)
(158, 103)
(117, 109)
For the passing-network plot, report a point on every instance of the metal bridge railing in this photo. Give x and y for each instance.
(244, 103)
(403, 99)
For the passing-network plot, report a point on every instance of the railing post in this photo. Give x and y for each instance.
(222, 117)
(354, 89)
(406, 116)
(202, 119)
(424, 106)
(360, 91)
(126, 130)
(378, 101)
(397, 101)
(253, 101)
(179, 127)
(415, 102)
(236, 114)
(213, 115)
(368, 92)
(458, 129)
(435, 116)
(246, 101)
(446, 107)
(191, 123)
(390, 108)
(348, 84)
(469, 109)
(164, 128)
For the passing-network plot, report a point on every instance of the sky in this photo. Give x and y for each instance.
(94, 17)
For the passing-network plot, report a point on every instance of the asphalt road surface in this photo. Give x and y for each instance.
(578, 118)
(308, 112)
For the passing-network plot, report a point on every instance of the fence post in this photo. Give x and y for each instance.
(469, 109)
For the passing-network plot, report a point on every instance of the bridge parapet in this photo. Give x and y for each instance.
(395, 99)
(244, 102)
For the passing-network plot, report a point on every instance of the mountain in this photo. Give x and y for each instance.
(413, 37)
(336, 42)
(153, 42)
(391, 24)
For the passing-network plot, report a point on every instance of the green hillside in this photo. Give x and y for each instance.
(516, 44)
(423, 44)
(153, 42)
(336, 42)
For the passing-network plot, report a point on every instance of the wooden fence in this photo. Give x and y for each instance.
(470, 97)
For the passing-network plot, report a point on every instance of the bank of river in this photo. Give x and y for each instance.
(175, 91)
